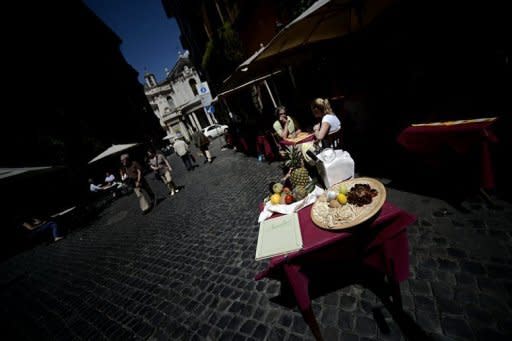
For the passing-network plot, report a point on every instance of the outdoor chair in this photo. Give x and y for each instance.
(333, 140)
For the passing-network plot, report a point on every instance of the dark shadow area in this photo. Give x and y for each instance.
(160, 200)
(333, 268)
(52, 194)
(326, 281)
(379, 318)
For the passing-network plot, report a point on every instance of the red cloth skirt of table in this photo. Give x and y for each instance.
(243, 144)
(263, 147)
(385, 249)
(461, 138)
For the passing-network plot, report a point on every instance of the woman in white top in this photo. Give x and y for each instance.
(330, 122)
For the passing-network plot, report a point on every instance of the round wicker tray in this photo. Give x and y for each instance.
(325, 217)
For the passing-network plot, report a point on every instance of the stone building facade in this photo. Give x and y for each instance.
(176, 101)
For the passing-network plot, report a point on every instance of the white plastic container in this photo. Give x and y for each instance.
(335, 169)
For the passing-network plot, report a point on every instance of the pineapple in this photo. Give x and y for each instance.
(299, 175)
(300, 192)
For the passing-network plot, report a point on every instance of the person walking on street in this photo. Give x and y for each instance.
(133, 171)
(160, 165)
(181, 148)
(203, 143)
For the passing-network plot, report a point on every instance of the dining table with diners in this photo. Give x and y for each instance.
(301, 137)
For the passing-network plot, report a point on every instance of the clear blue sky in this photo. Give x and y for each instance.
(150, 39)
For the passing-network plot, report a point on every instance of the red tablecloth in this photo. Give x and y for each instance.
(381, 245)
(461, 138)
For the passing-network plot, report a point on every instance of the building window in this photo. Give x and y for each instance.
(169, 101)
(193, 85)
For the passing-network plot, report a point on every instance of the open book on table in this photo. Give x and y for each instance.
(279, 236)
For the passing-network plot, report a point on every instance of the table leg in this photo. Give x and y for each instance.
(490, 202)
(310, 319)
(486, 170)
(394, 285)
(299, 284)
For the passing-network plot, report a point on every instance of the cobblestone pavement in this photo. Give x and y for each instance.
(186, 271)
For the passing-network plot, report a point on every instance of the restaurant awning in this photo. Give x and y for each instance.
(325, 20)
(241, 78)
(241, 86)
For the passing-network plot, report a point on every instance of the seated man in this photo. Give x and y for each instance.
(95, 188)
(110, 179)
(110, 182)
(37, 227)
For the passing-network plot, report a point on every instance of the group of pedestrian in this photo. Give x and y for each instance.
(201, 141)
(132, 171)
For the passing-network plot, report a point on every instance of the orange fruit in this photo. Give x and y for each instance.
(275, 199)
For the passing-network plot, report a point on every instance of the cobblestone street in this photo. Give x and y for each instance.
(186, 270)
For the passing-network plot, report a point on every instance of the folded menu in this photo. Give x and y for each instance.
(279, 236)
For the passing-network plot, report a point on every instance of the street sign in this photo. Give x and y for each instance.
(204, 94)
(210, 109)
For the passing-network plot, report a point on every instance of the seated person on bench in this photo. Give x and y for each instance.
(37, 227)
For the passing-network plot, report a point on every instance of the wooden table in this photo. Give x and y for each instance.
(302, 137)
(373, 251)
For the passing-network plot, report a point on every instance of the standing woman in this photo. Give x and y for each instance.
(330, 122)
(143, 191)
(159, 164)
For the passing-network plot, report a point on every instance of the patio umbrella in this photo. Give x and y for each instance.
(10, 172)
(112, 150)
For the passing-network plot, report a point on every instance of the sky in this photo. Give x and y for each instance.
(150, 39)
